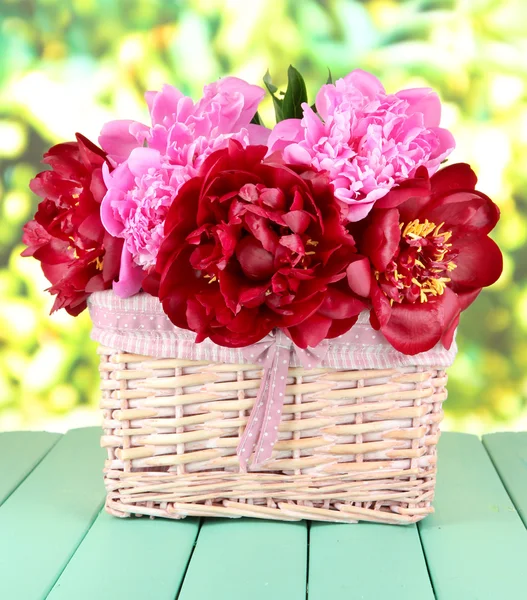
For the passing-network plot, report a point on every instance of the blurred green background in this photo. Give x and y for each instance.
(71, 66)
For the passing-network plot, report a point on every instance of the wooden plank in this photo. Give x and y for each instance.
(475, 543)
(129, 558)
(368, 561)
(248, 558)
(508, 452)
(47, 516)
(20, 452)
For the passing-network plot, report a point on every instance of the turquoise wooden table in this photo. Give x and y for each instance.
(57, 543)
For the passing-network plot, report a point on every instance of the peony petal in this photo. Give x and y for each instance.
(310, 332)
(143, 159)
(381, 238)
(413, 328)
(130, 277)
(252, 96)
(466, 211)
(359, 276)
(297, 220)
(416, 190)
(479, 262)
(445, 144)
(356, 210)
(90, 154)
(163, 104)
(381, 308)
(341, 327)
(449, 308)
(110, 223)
(424, 101)
(117, 141)
(258, 135)
(256, 263)
(458, 176)
(365, 82)
(448, 336)
(467, 298)
(340, 305)
(284, 133)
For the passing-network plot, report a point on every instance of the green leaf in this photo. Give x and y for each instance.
(277, 102)
(269, 84)
(295, 95)
(257, 119)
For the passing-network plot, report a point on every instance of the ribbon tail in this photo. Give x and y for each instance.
(273, 405)
(252, 431)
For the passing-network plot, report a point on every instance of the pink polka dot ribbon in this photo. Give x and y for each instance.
(274, 353)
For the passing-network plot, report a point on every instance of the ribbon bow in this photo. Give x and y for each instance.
(274, 353)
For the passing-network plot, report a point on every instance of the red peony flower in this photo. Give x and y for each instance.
(78, 256)
(430, 254)
(250, 246)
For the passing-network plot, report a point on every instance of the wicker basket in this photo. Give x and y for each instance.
(352, 444)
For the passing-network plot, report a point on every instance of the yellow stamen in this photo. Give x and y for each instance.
(213, 279)
(309, 253)
(311, 243)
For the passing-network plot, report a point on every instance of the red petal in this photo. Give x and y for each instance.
(479, 262)
(417, 188)
(273, 197)
(311, 331)
(339, 305)
(293, 242)
(90, 154)
(467, 298)
(297, 220)
(340, 327)
(458, 176)
(413, 328)
(381, 238)
(151, 284)
(448, 336)
(256, 263)
(359, 276)
(381, 305)
(467, 211)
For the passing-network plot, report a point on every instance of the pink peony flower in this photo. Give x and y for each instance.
(367, 140)
(152, 163)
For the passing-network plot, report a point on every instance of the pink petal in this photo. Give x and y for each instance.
(142, 159)
(258, 135)
(424, 101)
(163, 104)
(285, 133)
(365, 82)
(252, 96)
(446, 144)
(297, 155)
(117, 141)
(130, 277)
(112, 225)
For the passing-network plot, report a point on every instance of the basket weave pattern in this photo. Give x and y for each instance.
(353, 445)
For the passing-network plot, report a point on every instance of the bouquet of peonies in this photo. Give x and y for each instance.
(238, 229)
